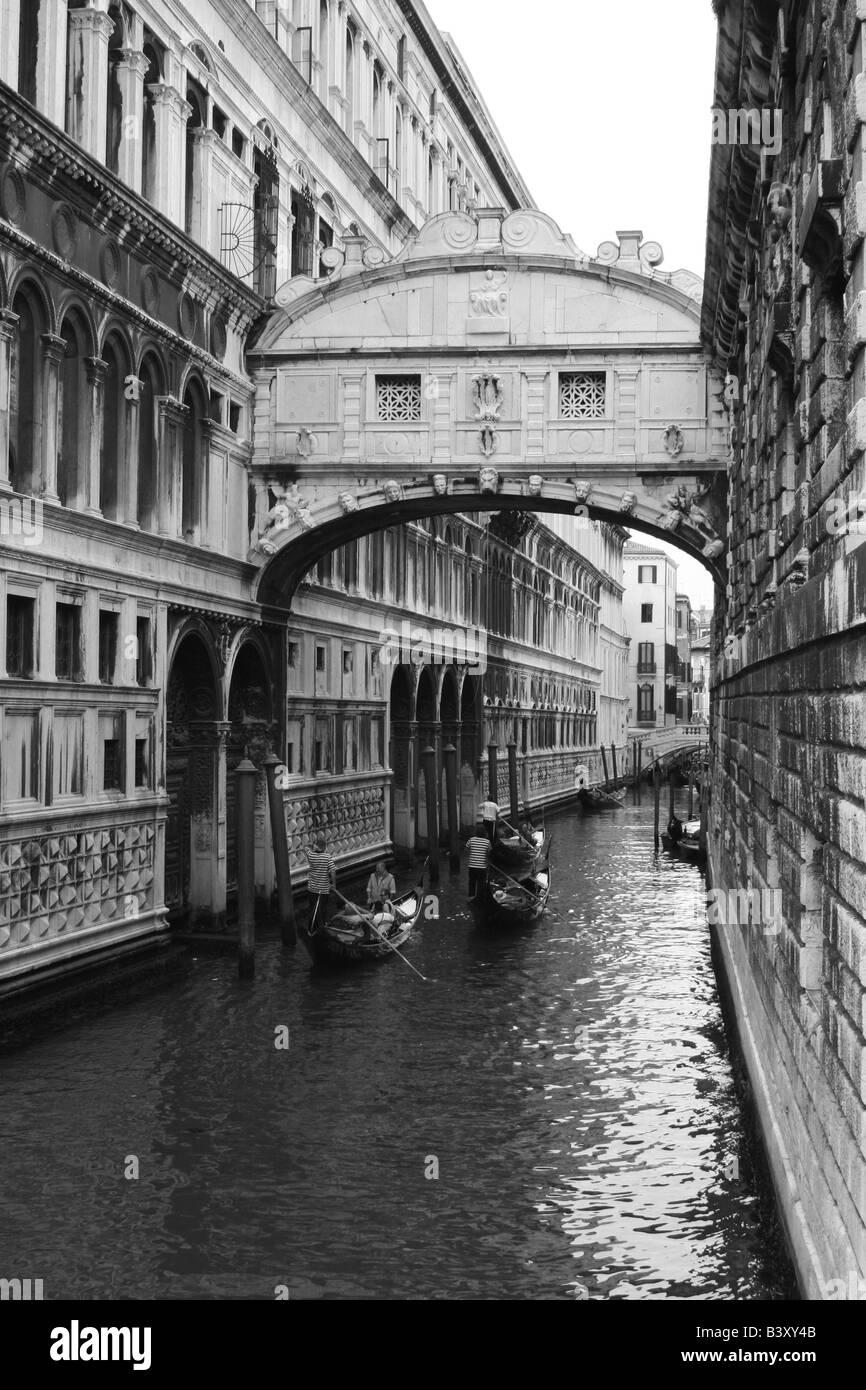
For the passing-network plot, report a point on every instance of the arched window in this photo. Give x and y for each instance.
(72, 433)
(194, 474)
(112, 458)
(324, 51)
(25, 387)
(349, 83)
(28, 45)
(114, 103)
(377, 103)
(147, 444)
(193, 193)
(152, 77)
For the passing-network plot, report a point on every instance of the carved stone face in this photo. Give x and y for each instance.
(536, 483)
(393, 492)
(440, 484)
(628, 503)
(582, 491)
(348, 502)
(488, 480)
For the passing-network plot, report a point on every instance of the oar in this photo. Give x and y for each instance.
(368, 918)
(518, 833)
(517, 885)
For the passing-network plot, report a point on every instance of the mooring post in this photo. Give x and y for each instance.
(604, 765)
(657, 796)
(246, 846)
(450, 755)
(613, 759)
(282, 865)
(691, 791)
(705, 797)
(431, 790)
(639, 778)
(672, 796)
(493, 772)
(512, 785)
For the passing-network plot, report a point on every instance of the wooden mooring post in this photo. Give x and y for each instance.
(431, 792)
(450, 756)
(613, 760)
(245, 800)
(657, 796)
(493, 772)
(604, 765)
(513, 789)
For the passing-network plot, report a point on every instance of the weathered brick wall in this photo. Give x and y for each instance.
(789, 725)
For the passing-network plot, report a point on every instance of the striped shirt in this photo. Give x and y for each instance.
(479, 852)
(321, 863)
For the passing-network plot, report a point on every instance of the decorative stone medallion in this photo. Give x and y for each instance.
(109, 262)
(150, 292)
(64, 231)
(186, 315)
(218, 337)
(13, 196)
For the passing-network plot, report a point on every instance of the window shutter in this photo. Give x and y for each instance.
(302, 52)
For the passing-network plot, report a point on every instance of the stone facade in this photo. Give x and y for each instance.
(162, 168)
(650, 607)
(783, 317)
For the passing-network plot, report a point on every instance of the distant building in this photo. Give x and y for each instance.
(684, 659)
(650, 613)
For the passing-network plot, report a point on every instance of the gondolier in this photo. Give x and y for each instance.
(489, 813)
(479, 858)
(321, 881)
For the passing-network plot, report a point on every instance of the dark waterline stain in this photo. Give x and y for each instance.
(571, 1084)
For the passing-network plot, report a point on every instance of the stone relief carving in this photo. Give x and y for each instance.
(582, 491)
(674, 441)
(492, 300)
(628, 503)
(348, 503)
(488, 480)
(779, 205)
(536, 485)
(683, 507)
(440, 484)
(290, 509)
(488, 396)
(489, 441)
(306, 443)
(393, 492)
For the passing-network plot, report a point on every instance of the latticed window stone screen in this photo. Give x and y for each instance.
(398, 398)
(582, 395)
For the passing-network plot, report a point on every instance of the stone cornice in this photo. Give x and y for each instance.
(125, 307)
(64, 169)
(474, 115)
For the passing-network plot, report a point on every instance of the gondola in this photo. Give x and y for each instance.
(517, 854)
(594, 800)
(507, 903)
(688, 845)
(342, 939)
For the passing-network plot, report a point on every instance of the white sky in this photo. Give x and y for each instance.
(605, 109)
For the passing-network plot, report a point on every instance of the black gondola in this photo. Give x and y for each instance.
(687, 844)
(517, 854)
(343, 940)
(507, 903)
(594, 800)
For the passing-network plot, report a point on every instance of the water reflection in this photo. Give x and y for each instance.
(569, 1083)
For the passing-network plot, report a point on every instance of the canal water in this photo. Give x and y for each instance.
(552, 1115)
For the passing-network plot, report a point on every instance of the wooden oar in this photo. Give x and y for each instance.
(368, 918)
(527, 891)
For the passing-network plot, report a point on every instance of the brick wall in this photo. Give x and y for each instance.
(789, 716)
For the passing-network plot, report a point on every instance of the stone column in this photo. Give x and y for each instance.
(53, 351)
(8, 322)
(129, 75)
(10, 17)
(200, 152)
(364, 93)
(96, 370)
(171, 114)
(171, 416)
(127, 483)
(87, 77)
(51, 60)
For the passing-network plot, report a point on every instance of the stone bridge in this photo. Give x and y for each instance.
(491, 366)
